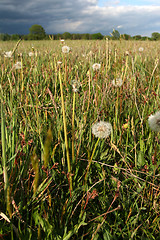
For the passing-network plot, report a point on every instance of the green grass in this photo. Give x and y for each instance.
(47, 190)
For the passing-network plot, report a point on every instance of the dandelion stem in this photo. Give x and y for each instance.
(66, 74)
(117, 105)
(90, 160)
(65, 132)
(74, 98)
(107, 55)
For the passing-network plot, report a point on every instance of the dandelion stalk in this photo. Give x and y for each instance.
(74, 98)
(107, 55)
(65, 132)
(90, 160)
(66, 73)
(101, 130)
(117, 105)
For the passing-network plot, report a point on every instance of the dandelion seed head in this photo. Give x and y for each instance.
(8, 54)
(31, 54)
(117, 82)
(65, 49)
(102, 129)
(18, 65)
(154, 122)
(96, 66)
(75, 85)
(141, 49)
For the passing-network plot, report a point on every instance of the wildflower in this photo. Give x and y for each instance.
(96, 66)
(102, 129)
(65, 49)
(8, 54)
(18, 65)
(31, 54)
(154, 122)
(75, 85)
(141, 49)
(117, 82)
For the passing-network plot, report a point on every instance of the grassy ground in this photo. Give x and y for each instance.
(57, 181)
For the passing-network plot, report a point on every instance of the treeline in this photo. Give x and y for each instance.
(77, 36)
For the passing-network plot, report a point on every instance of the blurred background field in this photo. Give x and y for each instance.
(47, 191)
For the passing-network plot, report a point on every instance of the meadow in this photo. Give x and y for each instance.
(58, 180)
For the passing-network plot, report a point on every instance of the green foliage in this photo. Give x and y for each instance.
(115, 34)
(15, 37)
(137, 37)
(66, 35)
(97, 36)
(119, 196)
(4, 37)
(156, 36)
(125, 36)
(37, 32)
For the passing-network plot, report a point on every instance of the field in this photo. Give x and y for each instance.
(60, 180)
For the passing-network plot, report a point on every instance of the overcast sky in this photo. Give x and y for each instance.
(81, 16)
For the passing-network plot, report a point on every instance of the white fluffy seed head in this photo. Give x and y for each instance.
(18, 65)
(65, 49)
(96, 66)
(141, 49)
(75, 85)
(31, 54)
(8, 54)
(154, 122)
(102, 129)
(117, 82)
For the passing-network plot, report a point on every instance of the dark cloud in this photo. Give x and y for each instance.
(17, 16)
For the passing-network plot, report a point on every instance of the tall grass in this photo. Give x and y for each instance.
(47, 143)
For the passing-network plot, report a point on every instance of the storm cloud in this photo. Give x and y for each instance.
(81, 16)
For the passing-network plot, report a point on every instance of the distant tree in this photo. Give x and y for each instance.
(115, 34)
(58, 36)
(37, 32)
(86, 36)
(144, 38)
(97, 36)
(67, 35)
(108, 36)
(125, 36)
(137, 37)
(76, 36)
(15, 37)
(156, 36)
(5, 37)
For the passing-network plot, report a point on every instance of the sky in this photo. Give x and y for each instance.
(133, 17)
